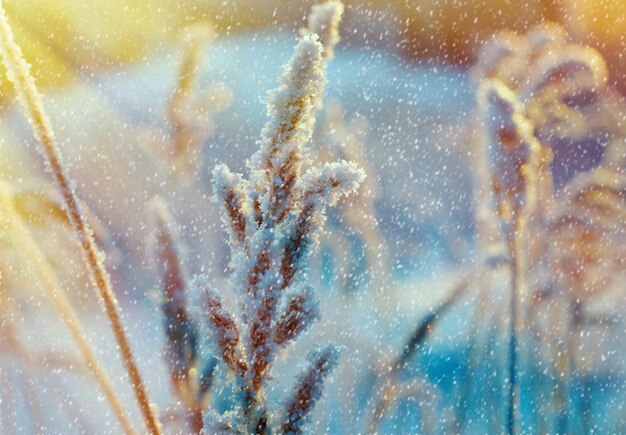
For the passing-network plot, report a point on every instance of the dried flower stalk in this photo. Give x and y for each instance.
(55, 292)
(515, 159)
(273, 220)
(18, 71)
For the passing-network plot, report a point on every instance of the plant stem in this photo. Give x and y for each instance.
(18, 71)
(61, 301)
(516, 256)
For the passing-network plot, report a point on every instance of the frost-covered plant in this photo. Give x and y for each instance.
(554, 79)
(514, 157)
(541, 92)
(191, 108)
(308, 390)
(335, 138)
(191, 375)
(360, 254)
(324, 22)
(273, 220)
(558, 85)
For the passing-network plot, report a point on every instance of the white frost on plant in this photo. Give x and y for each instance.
(299, 313)
(318, 188)
(332, 182)
(309, 388)
(222, 326)
(511, 141)
(273, 216)
(291, 109)
(230, 191)
(324, 21)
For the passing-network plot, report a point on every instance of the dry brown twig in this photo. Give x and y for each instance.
(18, 72)
(50, 284)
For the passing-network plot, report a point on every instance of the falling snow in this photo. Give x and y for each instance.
(290, 217)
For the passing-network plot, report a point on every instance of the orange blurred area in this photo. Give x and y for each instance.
(601, 24)
(451, 30)
(64, 38)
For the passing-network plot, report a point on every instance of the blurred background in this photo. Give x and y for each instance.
(400, 90)
(65, 38)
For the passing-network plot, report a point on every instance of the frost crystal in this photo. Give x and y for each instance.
(309, 388)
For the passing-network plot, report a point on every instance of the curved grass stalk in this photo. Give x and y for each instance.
(516, 159)
(59, 298)
(392, 386)
(18, 72)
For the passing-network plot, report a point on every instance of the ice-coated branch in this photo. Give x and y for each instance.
(309, 388)
(301, 310)
(324, 21)
(231, 192)
(291, 109)
(224, 328)
(319, 188)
